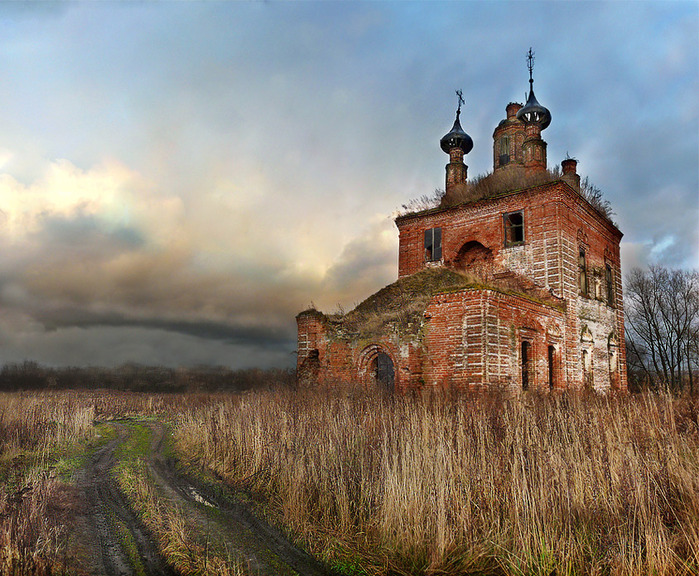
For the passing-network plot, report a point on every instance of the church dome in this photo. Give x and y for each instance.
(534, 113)
(456, 138)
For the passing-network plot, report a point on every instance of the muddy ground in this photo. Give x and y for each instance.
(111, 540)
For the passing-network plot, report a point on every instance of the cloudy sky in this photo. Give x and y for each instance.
(178, 180)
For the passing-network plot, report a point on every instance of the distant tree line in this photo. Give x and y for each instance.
(662, 329)
(139, 378)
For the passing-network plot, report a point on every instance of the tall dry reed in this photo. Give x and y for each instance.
(35, 429)
(485, 484)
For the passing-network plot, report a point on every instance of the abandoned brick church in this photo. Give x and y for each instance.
(512, 280)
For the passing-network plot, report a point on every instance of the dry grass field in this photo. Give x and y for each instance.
(470, 484)
(37, 435)
(477, 484)
(44, 440)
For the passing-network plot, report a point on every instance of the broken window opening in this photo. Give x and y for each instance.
(552, 372)
(433, 245)
(526, 364)
(582, 275)
(514, 228)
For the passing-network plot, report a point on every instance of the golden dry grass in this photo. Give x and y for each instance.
(35, 431)
(477, 484)
(472, 484)
(42, 437)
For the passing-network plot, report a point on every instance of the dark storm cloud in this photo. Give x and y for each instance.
(270, 337)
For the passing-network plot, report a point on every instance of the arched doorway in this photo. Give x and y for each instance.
(384, 372)
(377, 368)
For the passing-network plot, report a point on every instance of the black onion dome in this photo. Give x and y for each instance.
(533, 112)
(457, 138)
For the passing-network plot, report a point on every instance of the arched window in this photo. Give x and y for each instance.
(588, 377)
(504, 150)
(587, 343)
(582, 272)
(609, 279)
(613, 355)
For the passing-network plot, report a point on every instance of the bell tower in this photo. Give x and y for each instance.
(536, 118)
(507, 139)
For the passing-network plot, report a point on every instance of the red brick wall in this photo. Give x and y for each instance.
(483, 222)
(473, 337)
(557, 222)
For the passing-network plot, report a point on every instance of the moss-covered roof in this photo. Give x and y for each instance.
(402, 303)
(416, 288)
(400, 306)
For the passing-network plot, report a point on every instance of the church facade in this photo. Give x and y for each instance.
(513, 280)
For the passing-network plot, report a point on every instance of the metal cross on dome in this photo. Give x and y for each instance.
(459, 93)
(530, 64)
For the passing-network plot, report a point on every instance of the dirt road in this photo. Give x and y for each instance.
(114, 541)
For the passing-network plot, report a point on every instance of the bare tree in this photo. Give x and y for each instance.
(662, 327)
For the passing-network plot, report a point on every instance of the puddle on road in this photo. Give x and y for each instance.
(198, 497)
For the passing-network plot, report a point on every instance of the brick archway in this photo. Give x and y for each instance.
(377, 368)
(476, 259)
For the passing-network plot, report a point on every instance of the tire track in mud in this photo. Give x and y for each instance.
(213, 515)
(265, 549)
(114, 525)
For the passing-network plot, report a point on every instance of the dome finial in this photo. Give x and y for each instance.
(530, 65)
(533, 112)
(460, 94)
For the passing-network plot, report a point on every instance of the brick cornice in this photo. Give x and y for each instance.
(561, 185)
